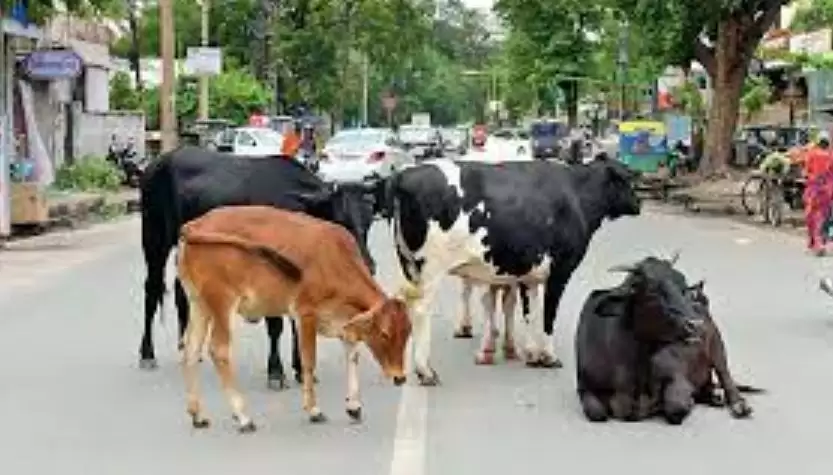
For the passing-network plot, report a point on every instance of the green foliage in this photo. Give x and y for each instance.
(90, 173)
(689, 99)
(122, 95)
(814, 15)
(39, 10)
(757, 92)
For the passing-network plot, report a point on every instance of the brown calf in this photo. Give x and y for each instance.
(258, 261)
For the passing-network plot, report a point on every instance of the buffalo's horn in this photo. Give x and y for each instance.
(674, 257)
(622, 268)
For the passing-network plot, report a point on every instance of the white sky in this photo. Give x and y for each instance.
(484, 4)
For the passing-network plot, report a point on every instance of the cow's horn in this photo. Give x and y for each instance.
(622, 268)
(674, 257)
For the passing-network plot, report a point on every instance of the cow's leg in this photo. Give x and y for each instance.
(464, 326)
(486, 354)
(354, 405)
(307, 334)
(509, 301)
(181, 301)
(736, 403)
(194, 342)
(622, 403)
(275, 376)
(534, 338)
(421, 324)
(296, 356)
(556, 283)
(156, 256)
(593, 407)
(220, 351)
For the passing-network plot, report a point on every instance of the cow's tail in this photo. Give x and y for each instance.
(276, 259)
(745, 388)
(159, 208)
(389, 196)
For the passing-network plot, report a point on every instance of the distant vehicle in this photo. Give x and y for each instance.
(281, 123)
(455, 139)
(546, 135)
(352, 155)
(421, 142)
(517, 139)
(249, 142)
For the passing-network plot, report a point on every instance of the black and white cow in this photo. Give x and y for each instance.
(513, 223)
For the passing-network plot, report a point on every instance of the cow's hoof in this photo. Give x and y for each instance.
(317, 418)
(510, 353)
(355, 414)
(181, 345)
(278, 383)
(431, 379)
(676, 418)
(485, 358)
(549, 361)
(740, 409)
(247, 428)
(148, 364)
(200, 422)
(464, 331)
(716, 399)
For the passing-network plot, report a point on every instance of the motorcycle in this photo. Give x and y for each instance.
(127, 160)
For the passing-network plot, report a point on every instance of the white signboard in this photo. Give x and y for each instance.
(814, 42)
(203, 61)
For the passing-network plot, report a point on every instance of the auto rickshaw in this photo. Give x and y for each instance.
(643, 147)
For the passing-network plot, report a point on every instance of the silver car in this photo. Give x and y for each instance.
(355, 154)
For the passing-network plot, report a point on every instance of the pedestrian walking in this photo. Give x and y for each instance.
(292, 141)
(818, 194)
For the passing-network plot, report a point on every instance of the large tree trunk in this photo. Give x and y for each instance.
(727, 73)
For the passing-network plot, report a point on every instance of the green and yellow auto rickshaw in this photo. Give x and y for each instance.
(643, 147)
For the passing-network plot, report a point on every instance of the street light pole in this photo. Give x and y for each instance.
(167, 96)
(203, 107)
(623, 68)
(365, 89)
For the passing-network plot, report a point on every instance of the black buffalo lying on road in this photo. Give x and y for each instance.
(190, 181)
(682, 374)
(617, 329)
(513, 223)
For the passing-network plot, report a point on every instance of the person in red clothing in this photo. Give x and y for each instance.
(292, 141)
(478, 139)
(818, 193)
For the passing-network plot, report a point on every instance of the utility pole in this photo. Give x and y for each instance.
(365, 89)
(167, 90)
(623, 68)
(203, 106)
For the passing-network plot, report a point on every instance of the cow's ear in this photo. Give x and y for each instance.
(358, 326)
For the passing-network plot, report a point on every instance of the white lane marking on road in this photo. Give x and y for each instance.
(743, 241)
(411, 424)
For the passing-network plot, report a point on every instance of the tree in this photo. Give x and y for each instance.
(814, 15)
(39, 10)
(721, 35)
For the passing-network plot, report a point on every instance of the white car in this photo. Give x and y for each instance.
(250, 141)
(355, 154)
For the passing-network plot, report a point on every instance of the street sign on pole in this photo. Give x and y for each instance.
(203, 61)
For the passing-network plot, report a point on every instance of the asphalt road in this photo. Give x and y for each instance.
(73, 401)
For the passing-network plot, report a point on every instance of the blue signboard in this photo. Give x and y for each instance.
(53, 64)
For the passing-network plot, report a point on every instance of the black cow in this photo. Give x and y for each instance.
(525, 223)
(190, 181)
(617, 330)
(682, 374)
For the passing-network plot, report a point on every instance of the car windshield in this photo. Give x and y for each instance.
(542, 129)
(266, 137)
(357, 137)
(413, 135)
(453, 134)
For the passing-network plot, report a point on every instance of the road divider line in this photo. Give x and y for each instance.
(410, 439)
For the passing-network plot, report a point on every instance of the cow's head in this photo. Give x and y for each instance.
(656, 303)
(348, 205)
(385, 329)
(617, 187)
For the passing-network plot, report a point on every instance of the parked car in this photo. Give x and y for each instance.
(421, 142)
(455, 139)
(516, 139)
(355, 154)
(250, 141)
(546, 135)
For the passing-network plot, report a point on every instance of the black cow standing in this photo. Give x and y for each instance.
(190, 181)
(618, 329)
(526, 223)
